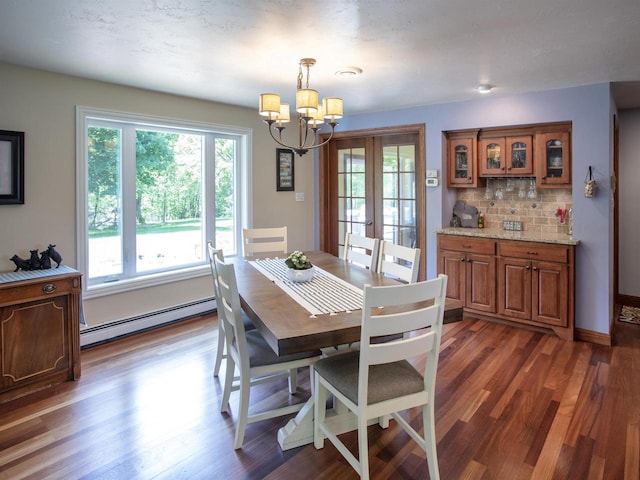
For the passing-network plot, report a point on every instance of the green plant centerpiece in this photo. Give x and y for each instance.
(298, 261)
(300, 267)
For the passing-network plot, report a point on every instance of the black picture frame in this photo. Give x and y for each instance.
(285, 179)
(11, 167)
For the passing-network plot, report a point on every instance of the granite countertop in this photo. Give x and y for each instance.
(559, 238)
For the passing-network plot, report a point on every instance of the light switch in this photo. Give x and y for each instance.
(299, 196)
(432, 173)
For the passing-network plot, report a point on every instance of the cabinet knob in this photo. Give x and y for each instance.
(462, 259)
(535, 269)
(527, 267)
(532, 253)
(468, 260)
(49, 288)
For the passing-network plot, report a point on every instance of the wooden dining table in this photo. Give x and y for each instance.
(288, 327)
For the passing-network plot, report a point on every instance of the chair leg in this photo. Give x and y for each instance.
(293, 381)
(428, 419)
(243, 410)
(363, 446)
(220, 351)
(228, 383)
(319, 412)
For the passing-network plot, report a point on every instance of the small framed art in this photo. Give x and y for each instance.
(284, 170)
(11, 167)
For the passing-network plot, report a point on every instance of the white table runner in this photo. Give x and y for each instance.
(324, 294)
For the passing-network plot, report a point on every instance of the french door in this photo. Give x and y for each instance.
(372, 183)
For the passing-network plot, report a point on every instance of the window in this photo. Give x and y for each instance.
(152, 191)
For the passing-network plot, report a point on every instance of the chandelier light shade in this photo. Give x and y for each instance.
(269, 105)
(311, 113)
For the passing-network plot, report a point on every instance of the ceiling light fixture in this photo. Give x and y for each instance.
(310, 114)
(484, 88)
(348, 71)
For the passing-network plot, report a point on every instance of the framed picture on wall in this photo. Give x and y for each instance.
(284, 170)
(11, 167)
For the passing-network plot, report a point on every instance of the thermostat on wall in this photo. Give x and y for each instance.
(432, 182)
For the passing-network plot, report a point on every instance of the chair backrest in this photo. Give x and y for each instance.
(404, 263)
(230, 312)
(414, 307)
(355, 250)
(213, 253)
(259, 240)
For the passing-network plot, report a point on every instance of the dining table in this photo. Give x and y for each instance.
(323, 313)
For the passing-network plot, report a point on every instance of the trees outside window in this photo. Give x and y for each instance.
(154, 193)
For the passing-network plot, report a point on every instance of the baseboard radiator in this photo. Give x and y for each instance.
(90, 336)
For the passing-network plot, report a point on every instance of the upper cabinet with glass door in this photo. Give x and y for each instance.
(462, 158)
(505, 156)
(553, 158)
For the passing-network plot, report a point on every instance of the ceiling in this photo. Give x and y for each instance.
(412, 52)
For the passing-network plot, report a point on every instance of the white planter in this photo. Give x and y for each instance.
(300, 275)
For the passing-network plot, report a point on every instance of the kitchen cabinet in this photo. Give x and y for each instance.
(505, 156)
(553, 158)
(470, 264)
(521, 282)
(39, 330)
(542, 151)
(536, 285)
(462, 158)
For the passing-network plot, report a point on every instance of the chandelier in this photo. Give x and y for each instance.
(311, 115)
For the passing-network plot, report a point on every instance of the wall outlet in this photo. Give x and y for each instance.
(299, 196)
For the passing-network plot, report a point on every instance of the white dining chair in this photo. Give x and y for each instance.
(221, 353)
(361, 250)
(261, 240)
(378, 380)
(399, 261)
(253, 357)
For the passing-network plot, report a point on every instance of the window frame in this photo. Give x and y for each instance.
(242, 191)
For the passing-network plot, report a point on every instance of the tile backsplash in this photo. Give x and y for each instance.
(516, 199)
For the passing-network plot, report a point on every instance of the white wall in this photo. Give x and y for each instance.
(629, 199)
(43, 105)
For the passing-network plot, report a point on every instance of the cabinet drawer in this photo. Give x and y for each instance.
(466, 244)
(535, 251)
(50, 288)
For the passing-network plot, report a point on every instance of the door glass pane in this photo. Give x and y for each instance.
(399, 216)
(104, 197)
(407, 158)
(352, 209)
(407, 184)
(390, 213)
(462, 161)
(519, 155)
(494, 159)
(554, 158)
(389, 185)
(358, 186)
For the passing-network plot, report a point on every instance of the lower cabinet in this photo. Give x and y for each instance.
(470, 264)
(39, 330)
(525, 282)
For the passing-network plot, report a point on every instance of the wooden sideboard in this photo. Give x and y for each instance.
(39, 330)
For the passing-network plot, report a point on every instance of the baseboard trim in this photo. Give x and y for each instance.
(593, 337)
(107, 332)
(629, 300)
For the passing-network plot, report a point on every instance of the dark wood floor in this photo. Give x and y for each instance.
(510, 404)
